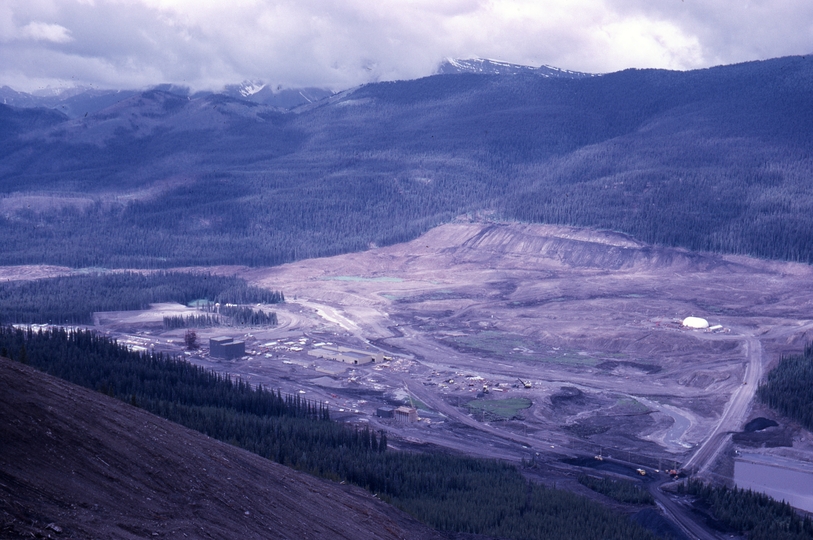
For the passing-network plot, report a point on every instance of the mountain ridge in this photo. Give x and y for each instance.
(485, 66)
(80, 100)
(714, 159)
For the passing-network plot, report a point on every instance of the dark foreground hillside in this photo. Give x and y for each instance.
(93, 467)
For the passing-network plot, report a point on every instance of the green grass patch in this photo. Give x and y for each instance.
(383, 279)
(502, 408)
(568, 358)
(418, 404)
(503, 345)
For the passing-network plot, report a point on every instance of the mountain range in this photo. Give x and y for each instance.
(715, 159)
(80, 100)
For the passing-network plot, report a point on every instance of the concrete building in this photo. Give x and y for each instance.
(346, 355)
(385, 412)
(226, 348)
(406, 414)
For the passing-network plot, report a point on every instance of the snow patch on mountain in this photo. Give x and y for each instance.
(485, 66)
(250, 88)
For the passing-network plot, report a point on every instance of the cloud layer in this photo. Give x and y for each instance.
(205, 44)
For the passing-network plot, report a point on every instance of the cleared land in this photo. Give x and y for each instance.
(583, 325)
(589, 320)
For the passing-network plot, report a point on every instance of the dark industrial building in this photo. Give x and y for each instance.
(226, 348)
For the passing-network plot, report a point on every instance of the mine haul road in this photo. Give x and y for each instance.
(734, 413)
(730, 421)
(680, 515)
(436, 403)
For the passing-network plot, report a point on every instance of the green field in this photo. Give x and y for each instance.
(359, 278)
(503, 345)
(502, 408)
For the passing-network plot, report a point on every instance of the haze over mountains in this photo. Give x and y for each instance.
(714, 159)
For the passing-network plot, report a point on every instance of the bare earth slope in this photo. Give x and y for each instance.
(98, 468)
(478, 303)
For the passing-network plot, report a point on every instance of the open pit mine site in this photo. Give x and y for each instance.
(572, 353)
(569, 349)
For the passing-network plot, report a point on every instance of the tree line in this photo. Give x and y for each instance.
(173, 322)
(227, 315)
(449, 492)
(748, 512)
(246, 316)
(73, 299)
(787, 388)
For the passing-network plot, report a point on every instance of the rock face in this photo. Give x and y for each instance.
(77, 464)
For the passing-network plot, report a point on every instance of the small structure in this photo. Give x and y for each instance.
(226, 348)
(385, 412)
(346, 354)
(406, 414)
(695, 323)
(216, 345)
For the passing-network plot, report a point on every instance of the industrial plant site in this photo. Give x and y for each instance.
(569, 349)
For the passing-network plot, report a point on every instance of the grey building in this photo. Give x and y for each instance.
(226, 348)
(406, 414)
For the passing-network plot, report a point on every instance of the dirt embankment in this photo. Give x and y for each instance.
(77, 464)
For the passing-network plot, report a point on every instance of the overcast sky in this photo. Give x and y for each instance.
(205, 44)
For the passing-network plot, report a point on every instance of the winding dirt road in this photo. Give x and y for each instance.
(735, 412)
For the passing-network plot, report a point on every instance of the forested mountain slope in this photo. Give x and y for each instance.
(714, 159)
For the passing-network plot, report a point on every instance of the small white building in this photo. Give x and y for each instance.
(695, 323)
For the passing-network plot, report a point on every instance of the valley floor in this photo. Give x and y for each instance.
(526, 342)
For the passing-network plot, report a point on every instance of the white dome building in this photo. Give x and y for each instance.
(695, 322)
